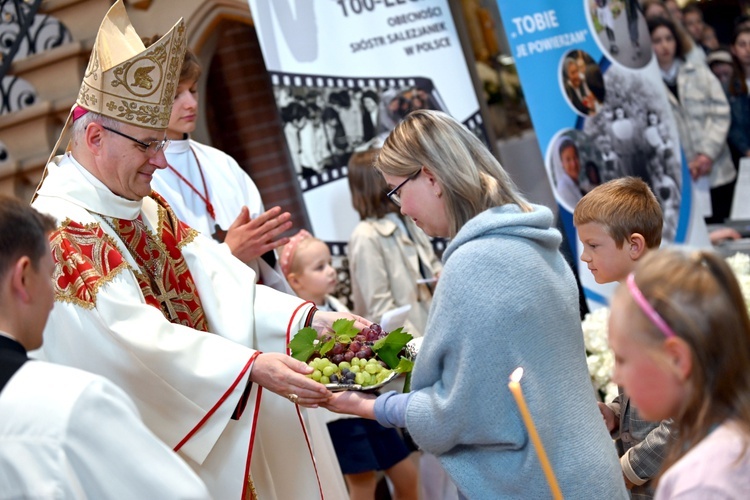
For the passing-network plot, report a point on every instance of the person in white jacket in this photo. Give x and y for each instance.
(702, 113)
(163, 311)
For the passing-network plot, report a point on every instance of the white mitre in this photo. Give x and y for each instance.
(128, 82)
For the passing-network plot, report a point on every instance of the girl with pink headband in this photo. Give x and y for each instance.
(362, 446)
(680, 332)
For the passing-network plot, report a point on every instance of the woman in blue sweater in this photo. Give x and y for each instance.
(507, 298)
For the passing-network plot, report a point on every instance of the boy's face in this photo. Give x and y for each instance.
(605, 261)
(723, 72)
(39, 283)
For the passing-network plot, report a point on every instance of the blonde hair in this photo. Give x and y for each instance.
(472, 179)
(698, 296)
(623, 206)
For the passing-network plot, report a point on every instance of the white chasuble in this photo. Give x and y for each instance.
(202, 175)
(185, 382)
(68, 434)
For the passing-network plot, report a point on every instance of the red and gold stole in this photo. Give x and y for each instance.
(86, 258)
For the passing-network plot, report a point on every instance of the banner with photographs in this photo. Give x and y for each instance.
(600, 111)
(345, 72)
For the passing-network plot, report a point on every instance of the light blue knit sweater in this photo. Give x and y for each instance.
(506, 298)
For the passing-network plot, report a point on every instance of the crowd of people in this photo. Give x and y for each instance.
(707, 92)
(147, 300)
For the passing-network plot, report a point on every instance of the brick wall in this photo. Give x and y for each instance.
(243, 120)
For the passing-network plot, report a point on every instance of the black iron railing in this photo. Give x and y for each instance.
(15, 29)
(24, 32)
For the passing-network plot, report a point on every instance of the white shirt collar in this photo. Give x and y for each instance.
(67, 179)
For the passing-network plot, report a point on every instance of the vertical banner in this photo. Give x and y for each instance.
(600, 110)
(345, 72)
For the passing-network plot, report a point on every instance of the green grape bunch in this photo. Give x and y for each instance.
(351, 358)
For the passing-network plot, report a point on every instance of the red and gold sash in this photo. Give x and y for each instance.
(86, 258)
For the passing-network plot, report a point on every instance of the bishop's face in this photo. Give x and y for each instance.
(127, 167)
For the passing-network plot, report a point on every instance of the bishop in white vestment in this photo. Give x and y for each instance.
(229, 188)
(162, 311)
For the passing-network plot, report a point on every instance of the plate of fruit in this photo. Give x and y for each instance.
(349, 359)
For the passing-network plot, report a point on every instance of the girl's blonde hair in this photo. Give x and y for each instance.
(698, 297)
(472, 179)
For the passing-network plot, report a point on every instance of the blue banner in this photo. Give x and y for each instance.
(600, 110)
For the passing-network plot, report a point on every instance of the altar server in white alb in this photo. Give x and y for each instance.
(164, 312)
(65, 433)
(209, 191)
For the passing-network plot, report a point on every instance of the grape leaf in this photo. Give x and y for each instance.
(389, 347)
(404, 365)
(303, 344)
(344, 327)
(327, 347)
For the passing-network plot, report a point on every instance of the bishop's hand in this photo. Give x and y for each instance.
(249, 238)
(285, 376)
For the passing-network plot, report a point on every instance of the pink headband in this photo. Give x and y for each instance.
(287, 254)
(647, 308)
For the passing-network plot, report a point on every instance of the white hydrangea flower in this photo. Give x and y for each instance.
(610, 392)
(600, 359)
(595, 330)
(740, 264)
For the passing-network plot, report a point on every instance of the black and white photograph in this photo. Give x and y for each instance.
(632, 135)
(621, 31)
(582, 82)
(326, 122)
(573, 165)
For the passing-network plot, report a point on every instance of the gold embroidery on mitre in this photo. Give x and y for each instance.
(125, 80)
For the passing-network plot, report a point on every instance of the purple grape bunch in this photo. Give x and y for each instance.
(360, 346)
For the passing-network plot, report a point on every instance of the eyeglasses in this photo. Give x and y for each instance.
(151, 148)
(394, 195)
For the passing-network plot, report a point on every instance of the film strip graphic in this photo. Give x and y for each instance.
(410, 92)
(338, 248)
(332, 174)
